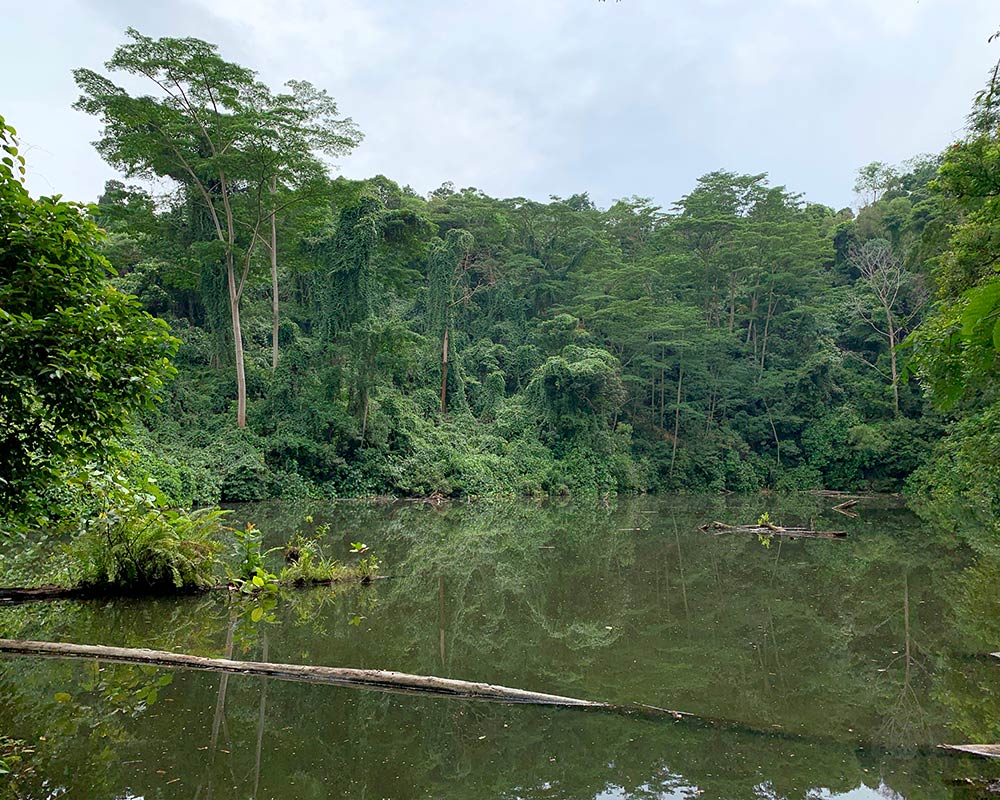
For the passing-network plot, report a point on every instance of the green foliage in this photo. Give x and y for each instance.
(16, 767)
(77, 357)
(742, 339)
(306, 564)
(134, 546)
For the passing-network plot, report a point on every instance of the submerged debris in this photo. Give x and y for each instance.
(768, 529)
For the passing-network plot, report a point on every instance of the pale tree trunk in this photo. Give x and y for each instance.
(677, 418)
(767, 325)
(274, 281)
(234, 310)
(444, 373)
(892, 361)
(732, 301)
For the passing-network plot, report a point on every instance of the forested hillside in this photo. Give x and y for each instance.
(343, 337)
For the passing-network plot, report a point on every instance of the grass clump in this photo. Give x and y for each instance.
(305, 563)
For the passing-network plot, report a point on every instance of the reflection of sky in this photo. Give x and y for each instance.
(684, 791)
(522, 98)
(861, 793)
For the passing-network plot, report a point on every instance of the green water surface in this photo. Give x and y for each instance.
(832, 668)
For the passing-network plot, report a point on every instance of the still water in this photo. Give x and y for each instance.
(840, 665)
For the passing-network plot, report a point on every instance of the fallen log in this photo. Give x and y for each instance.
(984, 750)
(405, 683)
(340, 676)
(24, 594)
(720, 528)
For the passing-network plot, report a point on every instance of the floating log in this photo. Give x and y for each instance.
(771, 530)
(984, 750)
(846, 508)
(365, 678)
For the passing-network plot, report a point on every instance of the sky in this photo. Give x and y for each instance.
(535, 98)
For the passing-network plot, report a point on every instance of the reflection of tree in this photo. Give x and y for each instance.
(905, 720)
(968, 687)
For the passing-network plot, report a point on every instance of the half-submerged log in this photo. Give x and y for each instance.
(720, 528)
(23, 594)
(984, 750)
(383, 680)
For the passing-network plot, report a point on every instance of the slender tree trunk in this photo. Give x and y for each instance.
(444, 373)
(767, 324)
(662, 389)
(364, 419)
(892, 361)
(234, 310)
(274, 280)
(732, 301)
(677, 418)
(234, 304)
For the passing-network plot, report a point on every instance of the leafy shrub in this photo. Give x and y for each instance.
(148, 549)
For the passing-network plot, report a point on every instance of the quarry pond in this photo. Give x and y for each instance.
(815, 668)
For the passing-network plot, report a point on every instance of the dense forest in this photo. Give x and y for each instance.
(332, 337)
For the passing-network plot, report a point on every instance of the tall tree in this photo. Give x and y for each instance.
(883, 275)
(223, 135)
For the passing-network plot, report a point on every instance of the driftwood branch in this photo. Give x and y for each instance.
(846, 508)
(769, 529)
(340, 676)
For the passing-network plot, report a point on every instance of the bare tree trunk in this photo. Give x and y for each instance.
(677, 418)
(892, 361)
(444, 373)
(732, 301)
(274, 280)
(662, 389)
(767, 325)
(234, 311)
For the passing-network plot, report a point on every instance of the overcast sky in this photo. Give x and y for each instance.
(548, 97)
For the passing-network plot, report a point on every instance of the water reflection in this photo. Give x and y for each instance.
(840, 663)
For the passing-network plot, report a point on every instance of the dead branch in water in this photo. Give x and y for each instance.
(846, 508)
(767, 529)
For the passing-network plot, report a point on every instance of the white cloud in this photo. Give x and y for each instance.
(532, 98)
